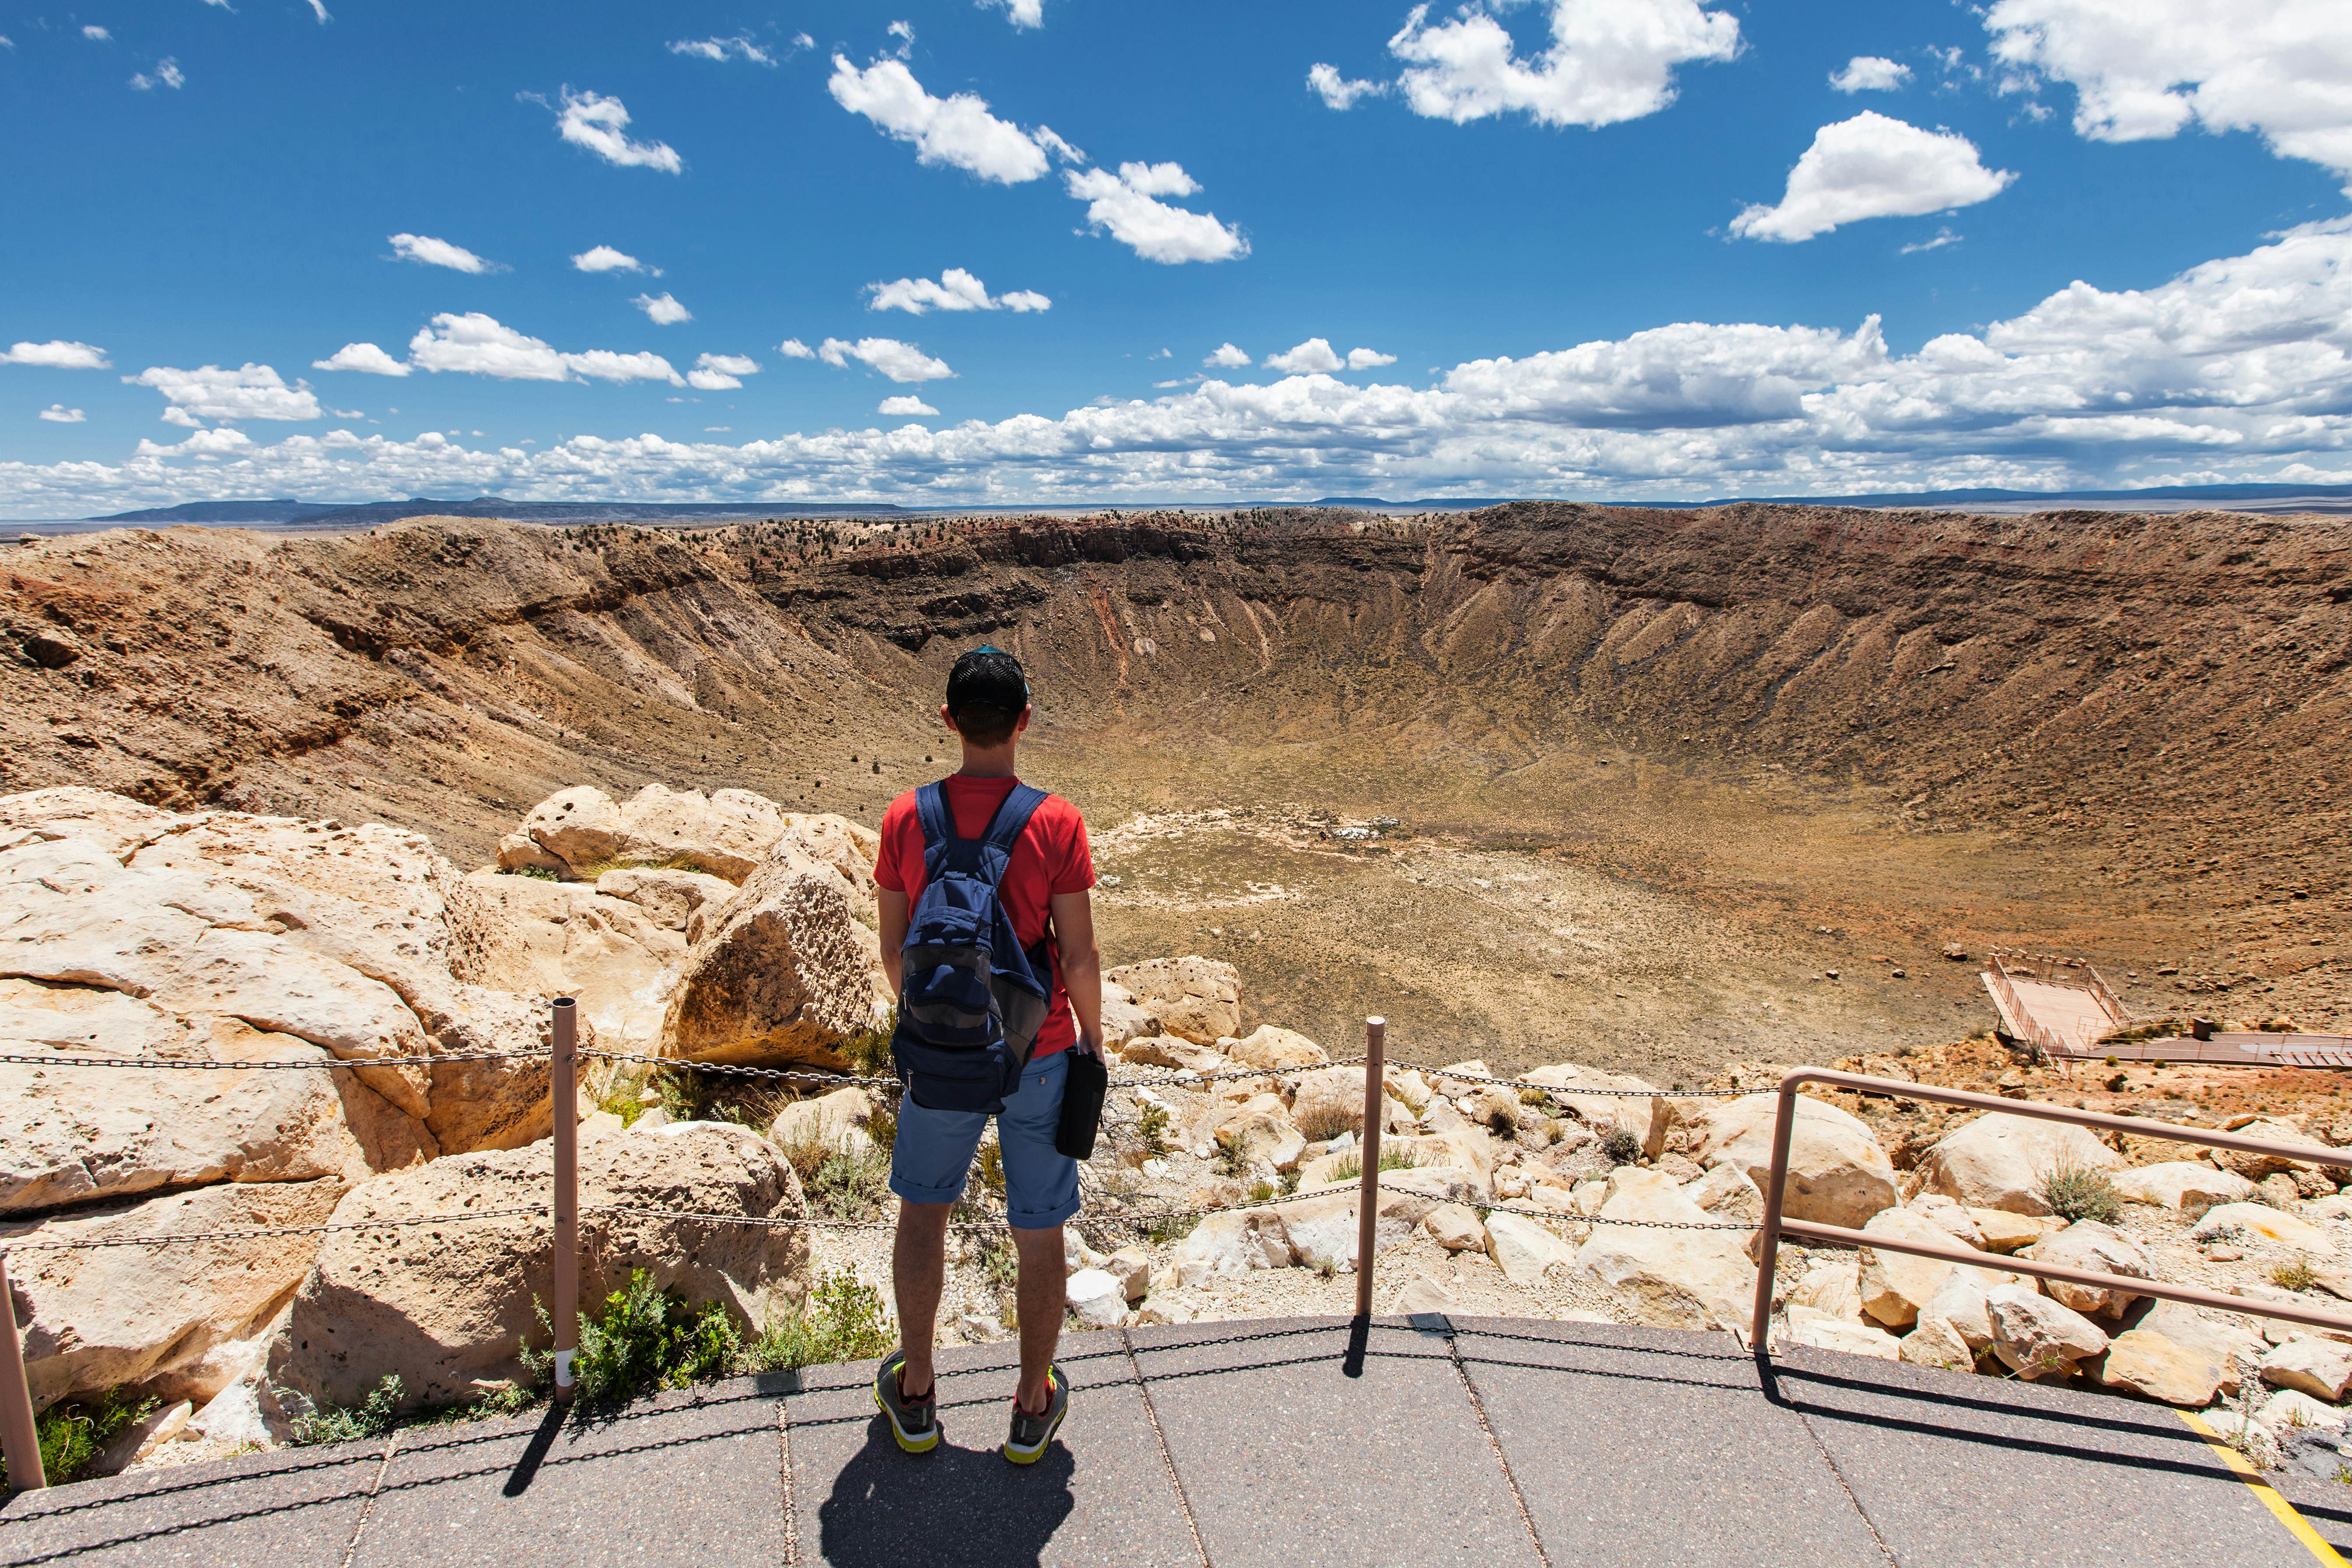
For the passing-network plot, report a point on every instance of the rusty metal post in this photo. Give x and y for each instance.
(565, 1089)
(20, 1437)
(1767, 1260)
(1368, 1204)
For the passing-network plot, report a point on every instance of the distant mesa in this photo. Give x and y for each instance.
(286, 512)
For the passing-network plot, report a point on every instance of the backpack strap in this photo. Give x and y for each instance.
(1012, 817)
(938, 823)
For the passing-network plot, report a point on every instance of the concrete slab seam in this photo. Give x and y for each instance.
(1167, 1455)
(367, 1503)
(1494, 1445)
(784, 1460)
(1845, 1486)
(2282, 1509)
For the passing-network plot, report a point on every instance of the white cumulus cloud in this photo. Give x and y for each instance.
(1314, 354)
(96, 35)
(1226, 357)
(1021, 14)
(958, 131)
(662, 308)
(1871, 166)
(902, 362)
(604, 259)
(911, 407)
(476, 344)
(209, 392)
(432, 252)
(2281, 68)
(792, 348)
(59, 414)
(1368, 359)
(599, 124)
(2240, 369)
(57, 355)
(1609, 60)
(1870, 73)
(364, 357)
(721, 373)
(1127, 204)
(1336, 91)
(956, 289)
(167, 74)
(735, 48)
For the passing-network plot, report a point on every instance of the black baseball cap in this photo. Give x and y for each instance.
(988, 677)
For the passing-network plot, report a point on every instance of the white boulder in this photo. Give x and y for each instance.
(1678, 1279)
(2096, 1248)
(1099, 1299)
(1637, 1106)
(2188, 1187)
(1194, 998)
(2319, 1367)
(2038, 1338)
(2001, 1160)
(1837, 1172)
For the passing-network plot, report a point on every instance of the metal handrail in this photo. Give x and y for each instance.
(1775, 1227)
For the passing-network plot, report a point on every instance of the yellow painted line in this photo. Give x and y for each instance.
(2296, 1523)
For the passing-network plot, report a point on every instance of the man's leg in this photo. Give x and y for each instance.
(1043, 1295)
(1041, 1194)
(918, 1267)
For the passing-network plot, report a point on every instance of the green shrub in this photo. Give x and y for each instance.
(1154, 1127)
(1324, 1122)
(1167, 1228)
(647, 1338)
(1351, 1165)
(2080, 1192)
(843, 1320)
(1619, 1147)
(2294, 1276)
(322, 1421)
(882, 1126)
(537, 873)
(1261, 1190)
(839, 1181)
(1534, 1096)
(868, 1055)
(74, 1432)
(991, 1168)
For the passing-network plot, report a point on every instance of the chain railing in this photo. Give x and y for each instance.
(1776, 1225)
(18, 1432)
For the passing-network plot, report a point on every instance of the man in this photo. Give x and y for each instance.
(1045, 887)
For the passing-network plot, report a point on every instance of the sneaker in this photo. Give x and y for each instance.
(1031, 1433)
(914, 1422)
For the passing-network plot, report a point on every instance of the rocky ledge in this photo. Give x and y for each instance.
(725, 930)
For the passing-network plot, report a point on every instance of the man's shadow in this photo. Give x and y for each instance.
(951, 1508)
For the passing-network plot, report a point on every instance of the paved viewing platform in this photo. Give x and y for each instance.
(1494, 1441)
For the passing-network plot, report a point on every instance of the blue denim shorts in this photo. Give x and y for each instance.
(934, 1148)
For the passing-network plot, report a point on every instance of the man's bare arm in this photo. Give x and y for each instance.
(1074, 927)
(893, 910)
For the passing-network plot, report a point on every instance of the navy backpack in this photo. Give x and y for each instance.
(970, 1001)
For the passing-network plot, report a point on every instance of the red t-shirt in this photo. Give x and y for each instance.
(1050, 856)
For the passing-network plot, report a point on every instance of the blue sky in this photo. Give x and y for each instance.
(1616, 248)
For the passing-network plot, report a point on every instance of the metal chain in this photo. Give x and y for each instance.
(1185, 1078)
(780, 1222)
(7, 1247)
(276, 1067)
(800, 1074)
